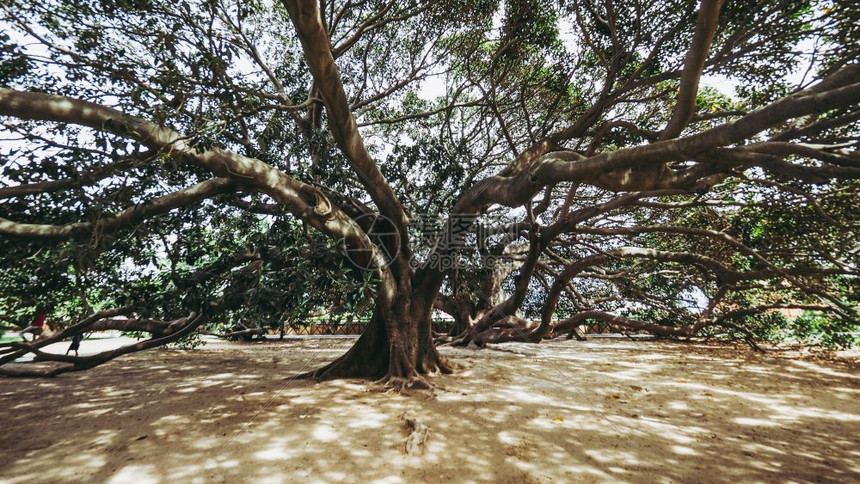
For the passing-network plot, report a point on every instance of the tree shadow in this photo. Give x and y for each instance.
(563, 411)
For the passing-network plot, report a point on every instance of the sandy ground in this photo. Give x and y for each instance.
(606, 410)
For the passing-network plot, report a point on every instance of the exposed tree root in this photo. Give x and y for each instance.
(400, 384)
(416, 441)
(390, 366)
(574, 333)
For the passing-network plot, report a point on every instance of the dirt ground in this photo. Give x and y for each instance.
(606, 410)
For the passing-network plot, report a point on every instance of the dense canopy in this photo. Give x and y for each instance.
(527, 168)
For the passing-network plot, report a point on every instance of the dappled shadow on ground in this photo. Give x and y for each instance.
(607, 410)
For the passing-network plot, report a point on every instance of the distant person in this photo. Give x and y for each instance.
(76, 344)
(36, 328)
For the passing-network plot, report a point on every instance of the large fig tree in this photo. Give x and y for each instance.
(681, 168)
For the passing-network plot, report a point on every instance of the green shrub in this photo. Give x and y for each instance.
(812, 327)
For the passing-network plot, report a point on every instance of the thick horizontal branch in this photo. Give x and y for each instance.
(840, 89)
(653, 328)
(304, 201)
(78, 363)
(79, 327)
(86, 178)
(127, 218)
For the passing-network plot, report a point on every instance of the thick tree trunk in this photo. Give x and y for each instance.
(396, 348)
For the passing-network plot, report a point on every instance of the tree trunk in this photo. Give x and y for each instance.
(396, 348)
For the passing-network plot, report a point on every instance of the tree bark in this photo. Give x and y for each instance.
(397, 347)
